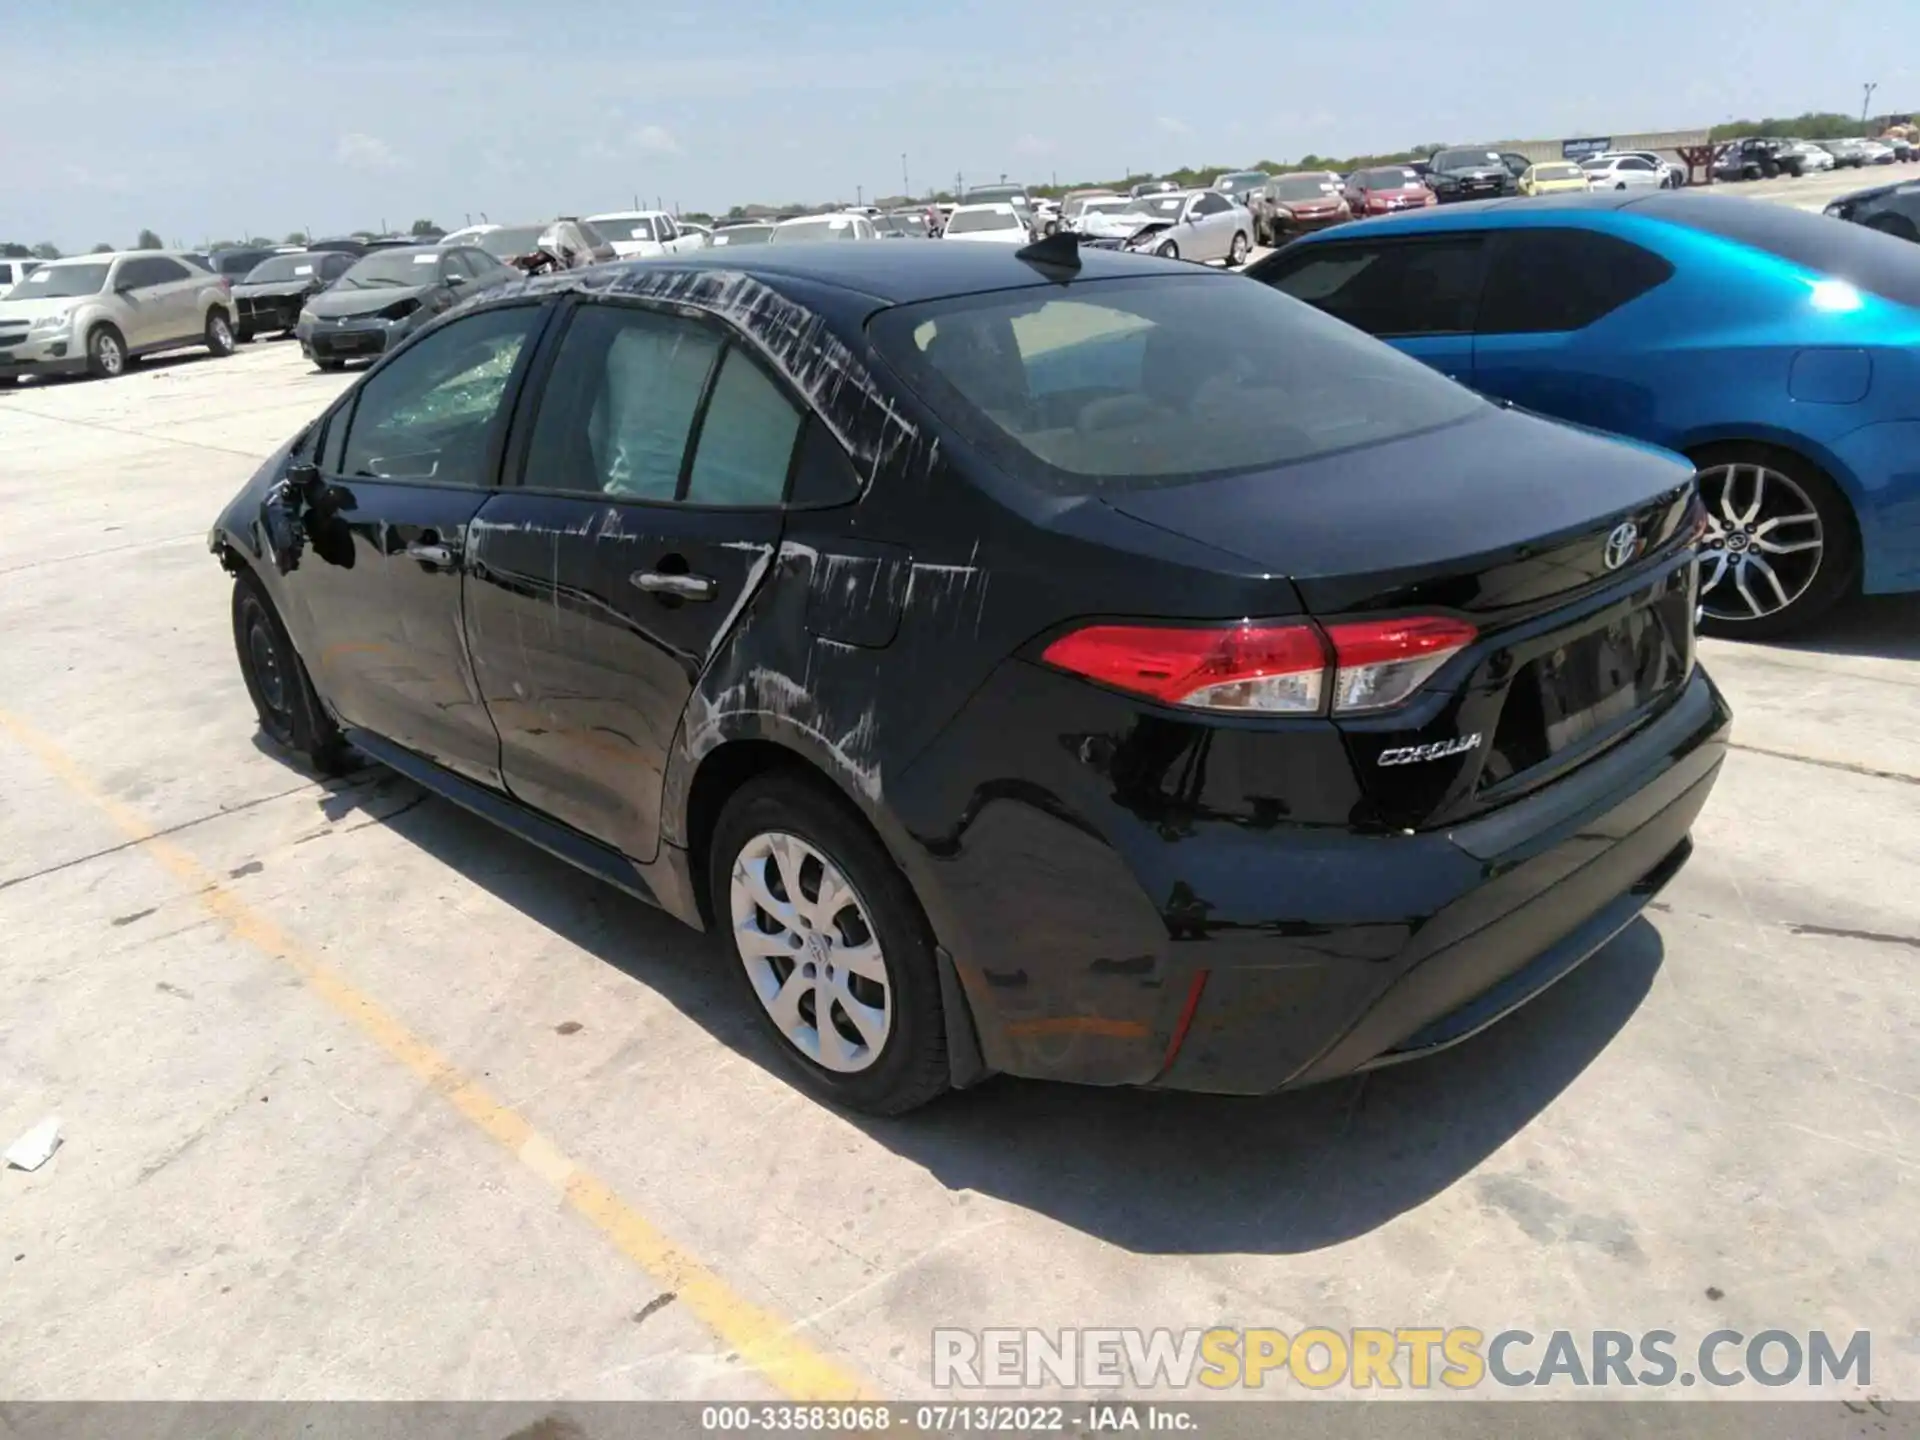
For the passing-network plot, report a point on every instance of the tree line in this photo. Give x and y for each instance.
(150, 240)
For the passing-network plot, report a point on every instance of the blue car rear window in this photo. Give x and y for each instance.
(1119, 384)
(1868, 260)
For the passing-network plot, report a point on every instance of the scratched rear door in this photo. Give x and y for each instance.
(651, 472)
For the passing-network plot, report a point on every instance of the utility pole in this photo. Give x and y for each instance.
(859, 197)
(1866, 100)
(906, 189)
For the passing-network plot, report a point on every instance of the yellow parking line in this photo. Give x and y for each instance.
(762, 1339)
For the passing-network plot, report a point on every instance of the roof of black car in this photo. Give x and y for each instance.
(902, 274)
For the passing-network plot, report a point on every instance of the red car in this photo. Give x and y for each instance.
(1386, 190)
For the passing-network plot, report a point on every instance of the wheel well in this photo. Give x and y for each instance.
(719, 777)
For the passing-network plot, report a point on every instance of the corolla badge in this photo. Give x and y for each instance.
(1437, 750)
(1622, 544)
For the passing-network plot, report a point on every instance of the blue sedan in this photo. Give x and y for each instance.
(1776, 349)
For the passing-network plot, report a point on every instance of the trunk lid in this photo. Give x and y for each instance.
(1567, 550)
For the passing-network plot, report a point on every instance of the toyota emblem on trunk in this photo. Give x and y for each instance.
(1622, 543)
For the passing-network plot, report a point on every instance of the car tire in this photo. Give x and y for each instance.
(1167, 250)
(219, 336)
(789, 824)
(1237, 251)
(1896, 225)
(329, 364)
(1791, 494)
(284, 700)
(106, 352)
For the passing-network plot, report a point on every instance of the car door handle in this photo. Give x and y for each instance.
(439, 555)
(681, 587)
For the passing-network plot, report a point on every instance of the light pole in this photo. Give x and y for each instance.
(1866, 100)
(905, 188)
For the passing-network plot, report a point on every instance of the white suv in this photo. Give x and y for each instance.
(638, 234)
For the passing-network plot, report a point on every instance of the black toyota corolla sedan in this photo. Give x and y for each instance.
(1068, 665)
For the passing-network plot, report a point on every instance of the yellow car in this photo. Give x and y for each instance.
(1556, 178)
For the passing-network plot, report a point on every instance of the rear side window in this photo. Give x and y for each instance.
(1157, 381)
(617, 411)
(746, 439)
(1540, 281)
(1407, 287)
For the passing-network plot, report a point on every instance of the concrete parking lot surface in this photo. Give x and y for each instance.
(361, 1098)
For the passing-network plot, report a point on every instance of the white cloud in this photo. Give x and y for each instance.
(655, 140)
(366, 152)
(1173, 126)
(1032, 145)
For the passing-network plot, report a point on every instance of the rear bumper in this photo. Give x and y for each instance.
(1244, 956)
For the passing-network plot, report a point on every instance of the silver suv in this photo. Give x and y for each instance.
(97, 313)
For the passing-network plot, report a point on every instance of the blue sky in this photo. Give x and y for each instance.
(206, 118)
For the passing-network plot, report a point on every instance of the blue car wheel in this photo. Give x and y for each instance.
(1781, 546)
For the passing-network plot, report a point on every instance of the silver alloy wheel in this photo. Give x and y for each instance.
(112, 358)
(222, 335)
(807, 942)
(1764, 542)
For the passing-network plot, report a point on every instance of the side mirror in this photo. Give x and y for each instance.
(304, 476)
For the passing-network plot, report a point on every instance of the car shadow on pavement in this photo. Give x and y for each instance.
(1887, 626)
(1152, 1172)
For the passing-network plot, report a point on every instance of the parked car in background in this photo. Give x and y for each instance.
(1017, 196)
(1762, 157)
(1241, 185)
(1100, 214)
(345, 245)
(1772, 347)
(641, 234)
(1151, 187)
(896, 675)
(1879, 152)
(1672, 176)
(1385, 189)
(1294, 204)
(1893, 209)
(387, 295)
(750, 232)
(1555, 177)
(468, 234)
(1198, 225)
(1076, 200)
(1469, 174)
(1814, 159)
(12, 272)
(1903, 148)
(905, 224)
(236, 263)
(1621, 172)
(997, 223)
(575, 245)
(97, 314)
(806, 229)
(275, 291)
(703, 233)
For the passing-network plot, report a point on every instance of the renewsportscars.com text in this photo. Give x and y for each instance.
(1414, 1358)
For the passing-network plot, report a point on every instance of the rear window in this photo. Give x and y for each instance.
(1127, 384)
(1868, 260)
(965, 222)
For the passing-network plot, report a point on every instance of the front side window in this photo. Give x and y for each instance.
(619, 407)
(1425, 287)
(428, 413)
(1144, 382)
(746, 438)
(1542, 281)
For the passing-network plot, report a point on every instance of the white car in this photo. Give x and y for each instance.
(1102, 216)
(467, 234)
(995, 223)
(12, 272)
(1192, 225)
(807, 229)
(1813, 158)
(645, 234)
(1670, 175)
(1622, 172)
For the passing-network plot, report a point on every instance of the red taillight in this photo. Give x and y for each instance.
(1382, 662)
(1279, 669)
(1288, 669)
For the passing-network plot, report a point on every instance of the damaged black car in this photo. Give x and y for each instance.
(384, 296)
(270, 299)
(1045, 662)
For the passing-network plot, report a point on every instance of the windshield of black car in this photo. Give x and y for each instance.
(1465, 160)
(239, 262)
(1385, 179)
(61, 282)
(511, 240)
(1154, 381)
(386, 268)
(283, 267)
(1303, 189)
(968, 222)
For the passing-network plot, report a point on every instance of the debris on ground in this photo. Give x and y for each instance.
(36, 1147)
